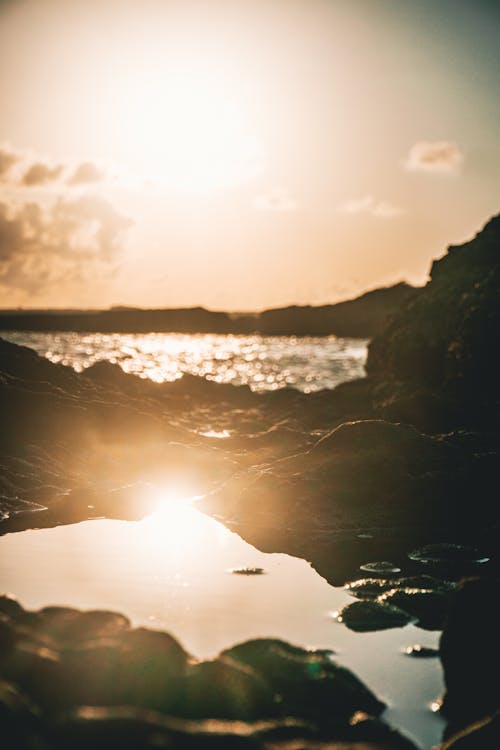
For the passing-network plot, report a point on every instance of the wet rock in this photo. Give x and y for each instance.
(153, 665)
(92, 674)
(128, 728)
(69, 626)
(470, 654)
(138, 667)
(428, 608)
(367, 729)
(380, 568)
(7, 635)
(482, 735)
(37, 671)
(361, 475)
(10, 606)
(371, 588)
(421, 652)
(429, 583)
(309, 684)
(364, 616)
(448, 554)
(227, 689)
(20, 721)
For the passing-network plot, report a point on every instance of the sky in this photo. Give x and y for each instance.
(240, 154)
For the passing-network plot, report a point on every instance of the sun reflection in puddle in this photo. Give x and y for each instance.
(170, 571)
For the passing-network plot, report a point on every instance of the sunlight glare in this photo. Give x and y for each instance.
(173, 524)
(185, 128)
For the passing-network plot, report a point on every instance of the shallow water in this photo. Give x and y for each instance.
(264, 363)
(172, 571)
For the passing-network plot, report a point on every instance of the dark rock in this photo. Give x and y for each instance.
(225, 689)
(448, 554)
(128, 728)
(7, 635)
(363, 475)
(367, 729)
(138, 667)
(371, 588)
(92, 674)
(482, 735)
(364, 616)
(309, 683)
(38, 672)
(70, 626)
(153, 665)
(428, 608)
(441, 341)
(470, 654)
(20, 721)
(10, 606)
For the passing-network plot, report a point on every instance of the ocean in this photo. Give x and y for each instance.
(264, 363)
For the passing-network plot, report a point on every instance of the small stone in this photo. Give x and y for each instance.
(370, 588)
(421, 652)
(364, 616)
(247, 571)
(448, 553)
(380, 568)
(429, 608)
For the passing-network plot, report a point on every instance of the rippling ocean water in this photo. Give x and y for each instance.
(264, 363)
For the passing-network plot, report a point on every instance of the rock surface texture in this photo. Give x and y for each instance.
(72, 679)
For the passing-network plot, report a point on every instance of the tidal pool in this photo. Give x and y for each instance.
(172, 571)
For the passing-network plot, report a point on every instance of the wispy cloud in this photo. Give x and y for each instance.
(277, 199)
(368, 205)
(84, 173)
(8, 157)
(41, 174)
(439, 157)
(27, 170)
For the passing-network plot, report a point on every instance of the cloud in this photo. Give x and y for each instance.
(8, 158)
(368, 205)
(439, 157)
(84, 173)
(69, 241)
(40, 174)
(24, 169)
(277, 199)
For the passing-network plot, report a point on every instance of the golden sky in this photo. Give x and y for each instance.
(240, 154)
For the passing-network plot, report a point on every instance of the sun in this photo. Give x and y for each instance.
(185, 128)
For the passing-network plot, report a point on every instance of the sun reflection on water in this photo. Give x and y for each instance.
(170, 571)
(263, 363)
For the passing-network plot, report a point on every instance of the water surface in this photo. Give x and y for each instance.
(172, 571)
(262, 362)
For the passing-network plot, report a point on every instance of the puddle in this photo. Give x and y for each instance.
(172, 571)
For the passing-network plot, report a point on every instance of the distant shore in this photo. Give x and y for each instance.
(361, 317)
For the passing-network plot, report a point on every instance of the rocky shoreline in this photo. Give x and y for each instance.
(403, 458)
